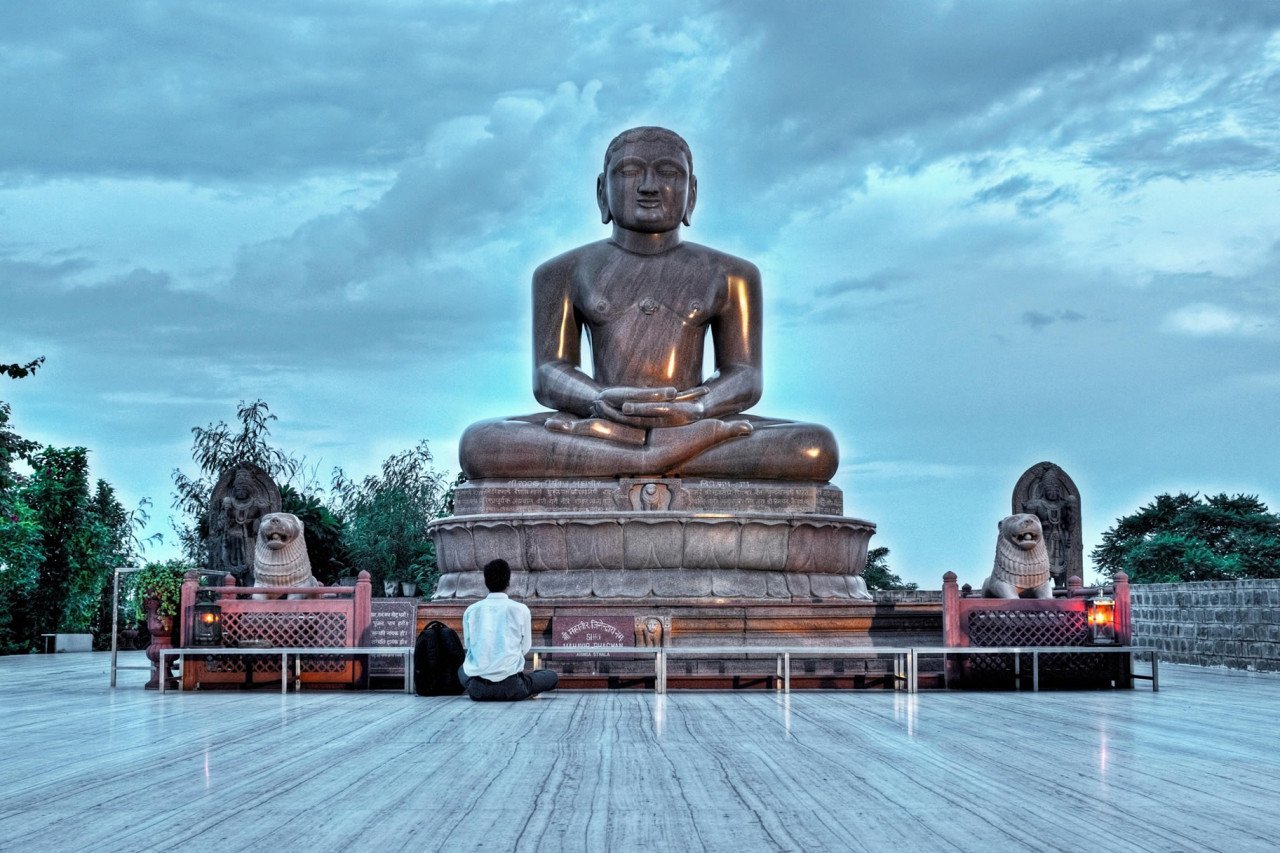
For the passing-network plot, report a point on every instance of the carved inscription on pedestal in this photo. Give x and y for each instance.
(647, 494)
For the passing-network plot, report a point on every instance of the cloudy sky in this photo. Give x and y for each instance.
(991, 233)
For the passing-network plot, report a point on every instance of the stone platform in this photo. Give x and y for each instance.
(90, 768)
(654, 538)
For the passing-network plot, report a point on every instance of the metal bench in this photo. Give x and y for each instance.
(906, 670)
(297, 653)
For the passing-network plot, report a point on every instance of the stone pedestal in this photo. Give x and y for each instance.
(654, 538)
(897, 619)
(161, 628)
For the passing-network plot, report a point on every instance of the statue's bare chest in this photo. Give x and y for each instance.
(630, 290)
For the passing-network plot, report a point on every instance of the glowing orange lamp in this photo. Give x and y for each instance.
(1102, 620)
(208, 625)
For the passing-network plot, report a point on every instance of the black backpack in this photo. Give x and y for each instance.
(436, 657)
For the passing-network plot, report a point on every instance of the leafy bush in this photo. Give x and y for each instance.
(387, 515)
(162, 581)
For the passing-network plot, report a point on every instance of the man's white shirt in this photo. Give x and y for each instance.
(497, 634)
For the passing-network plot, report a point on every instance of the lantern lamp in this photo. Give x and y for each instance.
(208, 625)
(1102, 620)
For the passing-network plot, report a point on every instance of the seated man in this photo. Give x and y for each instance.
(497, 634)
(647, 301)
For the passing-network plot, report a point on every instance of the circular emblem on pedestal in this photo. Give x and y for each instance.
(648, 305)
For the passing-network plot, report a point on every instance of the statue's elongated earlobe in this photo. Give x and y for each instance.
(692, 200)
(602, 199)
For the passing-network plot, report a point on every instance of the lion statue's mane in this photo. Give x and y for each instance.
(1021, 567)
(280, 554)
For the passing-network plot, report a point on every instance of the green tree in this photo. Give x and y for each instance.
(323, 531)
(58, 491)
(877, 574)
(20, 554)
(387, 515)
(59, 545)
(1192, 538)
(219, 446)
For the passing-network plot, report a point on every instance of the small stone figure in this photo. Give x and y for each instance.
(1048, 493)
(1021, 567)
(649, 631)
(243, 495)
(280, 555)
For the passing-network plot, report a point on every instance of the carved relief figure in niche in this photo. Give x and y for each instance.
(1046, 492)
(243, 495)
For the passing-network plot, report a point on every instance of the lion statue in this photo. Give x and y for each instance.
(280, 555)
(1022, 564)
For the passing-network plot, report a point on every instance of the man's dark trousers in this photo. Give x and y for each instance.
(513, 688)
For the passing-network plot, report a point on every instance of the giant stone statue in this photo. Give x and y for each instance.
(646, 462)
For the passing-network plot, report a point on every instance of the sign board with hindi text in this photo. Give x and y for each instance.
(584, 631)
(393, 624)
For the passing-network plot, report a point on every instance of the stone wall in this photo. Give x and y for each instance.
(1234, 624)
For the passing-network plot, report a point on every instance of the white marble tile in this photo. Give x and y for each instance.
(82, 767)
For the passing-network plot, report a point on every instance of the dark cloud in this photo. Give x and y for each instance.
(1028, 195)
(23, 273)
(877, 283)
(1007, 189)
(1039, 319)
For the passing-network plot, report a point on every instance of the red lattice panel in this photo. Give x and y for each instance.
(302, 630)
(1034, 628)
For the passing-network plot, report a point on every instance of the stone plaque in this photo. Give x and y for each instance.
(586, 631)
(392, 624)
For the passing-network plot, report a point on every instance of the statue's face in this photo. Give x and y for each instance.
(648, 187)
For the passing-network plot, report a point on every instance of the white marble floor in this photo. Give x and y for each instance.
(83, 767)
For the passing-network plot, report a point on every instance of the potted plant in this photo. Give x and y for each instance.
(157, 595)
(423, 575)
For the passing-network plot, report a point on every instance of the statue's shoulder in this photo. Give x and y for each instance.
(723, 261)
(568, 263)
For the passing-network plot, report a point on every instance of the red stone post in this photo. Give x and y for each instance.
(1124, 628)
(363, 615)
(1124, 616)
(951, 634)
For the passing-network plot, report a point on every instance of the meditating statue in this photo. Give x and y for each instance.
(646, 301)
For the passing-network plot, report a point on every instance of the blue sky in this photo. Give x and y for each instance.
(991, 233)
